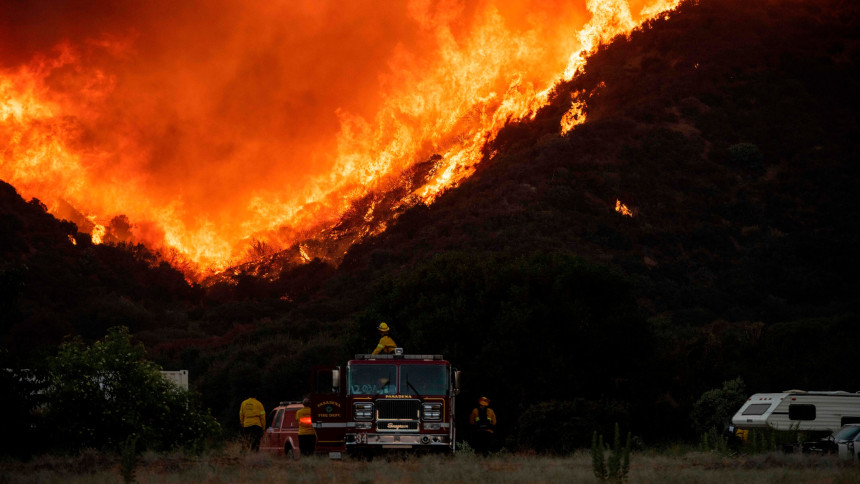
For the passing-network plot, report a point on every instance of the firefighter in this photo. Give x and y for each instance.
(386, 344)
(307, 434)
(483, 420)
(385, 386)
(252, 418)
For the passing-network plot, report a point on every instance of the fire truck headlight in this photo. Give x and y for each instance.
(363, 410)
(432, 411)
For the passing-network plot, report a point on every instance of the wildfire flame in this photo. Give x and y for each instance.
(266, 123)
(622, 209)
(98, 234)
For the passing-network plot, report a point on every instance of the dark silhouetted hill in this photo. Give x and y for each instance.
(55, 283)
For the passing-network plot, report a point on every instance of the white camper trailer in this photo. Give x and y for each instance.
(799, 410)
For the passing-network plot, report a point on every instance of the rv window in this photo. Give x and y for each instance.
(756, 409)
(801, 412)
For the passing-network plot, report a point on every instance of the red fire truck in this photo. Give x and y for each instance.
(383, 402)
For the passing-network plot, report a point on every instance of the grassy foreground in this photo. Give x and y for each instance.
(232, 465)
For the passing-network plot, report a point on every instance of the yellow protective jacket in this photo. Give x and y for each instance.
(251, 412)
(475, 419)
(305, 428)
(386, 346)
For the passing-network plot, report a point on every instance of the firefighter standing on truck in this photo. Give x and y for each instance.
(386, 344)
(307, 434)
(252, 417)
(483, 419)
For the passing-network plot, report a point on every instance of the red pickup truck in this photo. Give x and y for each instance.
(282, 435)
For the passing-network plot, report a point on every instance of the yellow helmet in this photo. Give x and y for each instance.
(383, 327)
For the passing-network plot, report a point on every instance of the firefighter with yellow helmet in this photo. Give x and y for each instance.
(483, 419)
(386, 344)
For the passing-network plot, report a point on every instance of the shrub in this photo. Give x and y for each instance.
(715, 408)
(617, 466)
(714, 440)
(101, 396)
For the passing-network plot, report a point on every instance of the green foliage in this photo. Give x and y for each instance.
(463, 448)
(714, 440)
(769, 440)
(616, 467)
(764, 440)
(598, 462)
(712, 414)
(715, 408)
(103, 395)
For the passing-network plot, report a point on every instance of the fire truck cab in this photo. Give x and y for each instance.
(385, 402)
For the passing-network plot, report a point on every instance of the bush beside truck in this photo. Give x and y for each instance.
(105, 395)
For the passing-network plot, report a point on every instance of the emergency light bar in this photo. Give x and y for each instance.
(392, 357)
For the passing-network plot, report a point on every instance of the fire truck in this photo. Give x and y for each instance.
(385, 402)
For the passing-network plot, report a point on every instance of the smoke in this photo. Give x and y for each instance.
(215, 119)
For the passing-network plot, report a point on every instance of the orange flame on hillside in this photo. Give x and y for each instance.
(622, 209)
(210, 129)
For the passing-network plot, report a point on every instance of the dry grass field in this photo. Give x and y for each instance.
(232, 465)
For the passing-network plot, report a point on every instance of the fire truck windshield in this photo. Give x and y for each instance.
(372, 379)
(424, 379)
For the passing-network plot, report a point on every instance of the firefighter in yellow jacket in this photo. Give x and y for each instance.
(252, 417)
(483, 420)
(386, 344)
(307, 434)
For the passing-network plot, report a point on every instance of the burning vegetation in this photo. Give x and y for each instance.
(247, 130)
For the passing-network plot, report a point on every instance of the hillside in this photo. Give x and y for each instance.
(55, 283)
(731, 140)
(727, 127)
